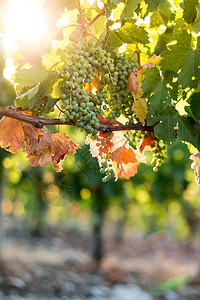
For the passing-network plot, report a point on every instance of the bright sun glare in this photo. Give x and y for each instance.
(24, 22)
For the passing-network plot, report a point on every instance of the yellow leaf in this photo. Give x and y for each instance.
(154, 59)
(140, 108)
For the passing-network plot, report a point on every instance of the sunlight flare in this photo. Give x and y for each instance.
(24, 22)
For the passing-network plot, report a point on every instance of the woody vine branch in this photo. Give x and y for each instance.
(40, 122)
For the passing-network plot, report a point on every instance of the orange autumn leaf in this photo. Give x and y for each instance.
(63, 146)
(41, 146)
(100, 146)
(11, 134)
(125, 159)
(146, 144)
(32, 133)
(51, 148)
(41, 160)
(135, 81)
(196, 166)
(125, 162)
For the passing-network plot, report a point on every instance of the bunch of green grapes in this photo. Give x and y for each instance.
(135, 136)
(120, 99)
(84, 63)
(106, 168)
(159, 155)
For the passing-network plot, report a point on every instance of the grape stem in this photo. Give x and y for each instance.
(40, 122)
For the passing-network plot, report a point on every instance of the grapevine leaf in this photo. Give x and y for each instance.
(165, 129)
(124, 159)
(150, 81)
(140, 109)
(63, 146)
(161, 98)
(129, 8)
(164, 39)
(146, 143)
(116, 1)
(196, 166)
(156, 20)
(133, 82)
(154, 83)
(165, 11)
(129, 33)
(38, 95)
(195, 105)
(190, 12)
(187, 131)
(25, 100)
(7, 92)
(124, 162)
(30, 76)
(152, 116)
(49, 148)
(181, 57)
(196, 24)
(11, 134)
(153, 4)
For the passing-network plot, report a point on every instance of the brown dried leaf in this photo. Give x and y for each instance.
(11, 134)
(51, 148)
(63, 146)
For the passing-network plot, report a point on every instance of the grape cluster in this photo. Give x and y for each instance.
(106, 168)
(94, 84)
(120, 99)
(83, 104)
(135, 136)
(159, 154)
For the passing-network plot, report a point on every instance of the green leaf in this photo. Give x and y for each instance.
(153, 4)
(181, 57)
(161, 97)
(153, 83)
(129, 8)
(37, 97)
(151, 79)
(152, 116)
(194, 101)
(165, 129)
(32, 75)
(164, 39)
(165, 11)
(196, 24)
(29, 99)
(190, 12)
(129, 33)
(187, 131)
(156, 20)
(7, 92)
(116, 1)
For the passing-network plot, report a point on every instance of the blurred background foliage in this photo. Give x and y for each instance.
(167, 200)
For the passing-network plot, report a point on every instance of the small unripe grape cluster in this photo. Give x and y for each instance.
(106, 168)
(159, 155)
(121, 99)
(135, 136)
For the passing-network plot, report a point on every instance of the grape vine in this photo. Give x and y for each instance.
(130, 87)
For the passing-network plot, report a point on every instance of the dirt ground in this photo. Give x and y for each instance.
(58, 266)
